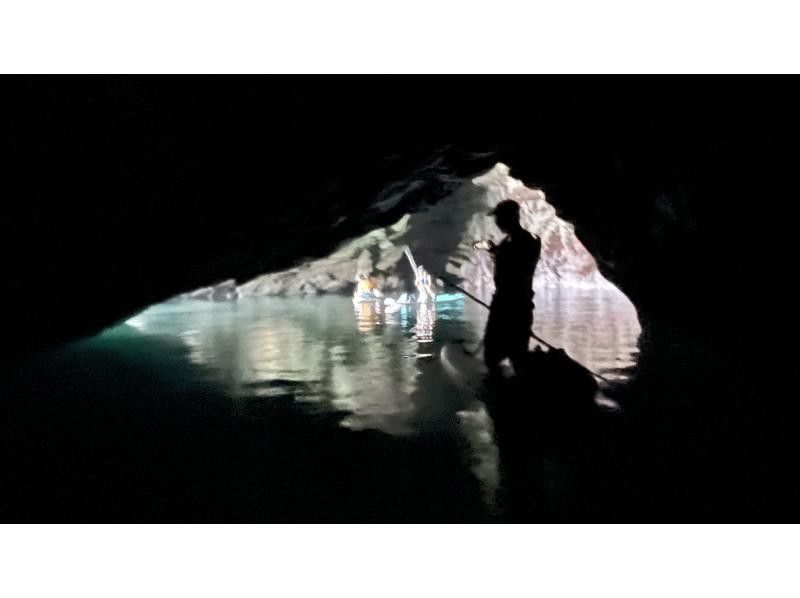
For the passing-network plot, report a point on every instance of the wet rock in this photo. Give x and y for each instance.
(441, 238)
(224, 291)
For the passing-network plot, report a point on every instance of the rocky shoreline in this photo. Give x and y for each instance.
(441, 238)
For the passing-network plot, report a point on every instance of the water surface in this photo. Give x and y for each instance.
(282, 409)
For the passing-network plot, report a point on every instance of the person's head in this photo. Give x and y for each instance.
(506, 215)
(362, 276)
(421, 270)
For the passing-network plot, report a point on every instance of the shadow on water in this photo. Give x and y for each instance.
(275, 411)
(546, 438)
(549, 428)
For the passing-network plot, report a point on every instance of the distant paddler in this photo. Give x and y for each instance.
(425, 292)
(366, 288)
(422, 279)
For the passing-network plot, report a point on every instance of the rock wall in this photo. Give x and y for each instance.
(441, 238)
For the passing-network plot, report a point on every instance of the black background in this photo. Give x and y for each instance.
(121, 191)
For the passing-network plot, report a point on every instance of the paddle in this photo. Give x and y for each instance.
(413, 263)
(410, 257)
(533, 334)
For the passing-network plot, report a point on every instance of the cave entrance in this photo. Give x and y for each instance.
(576, 306)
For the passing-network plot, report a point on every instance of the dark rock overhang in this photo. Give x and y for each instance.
(120, 192)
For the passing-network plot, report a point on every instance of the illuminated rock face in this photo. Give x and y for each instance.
(380, 251)
(441, 238)
(224, 291)
(564, 259)
(450, 227)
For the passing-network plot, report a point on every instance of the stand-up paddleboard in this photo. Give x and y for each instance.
(465, 369)
(441, 298)
(360, 300)
(553, 383)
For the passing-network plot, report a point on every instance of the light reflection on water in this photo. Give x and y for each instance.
(366, 362)
(598, 328)
(378, 370)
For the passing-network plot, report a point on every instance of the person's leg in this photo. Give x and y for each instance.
(494, 349)
(499, 330)
(519, 338)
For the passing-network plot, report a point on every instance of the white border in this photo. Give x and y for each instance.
(405, 561)
(427, 36)
(409, 36)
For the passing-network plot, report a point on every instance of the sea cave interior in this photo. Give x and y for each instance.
(182, 341)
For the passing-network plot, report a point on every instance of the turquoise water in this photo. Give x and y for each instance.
(278, 409)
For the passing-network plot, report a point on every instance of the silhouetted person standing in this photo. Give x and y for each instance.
(511, 313)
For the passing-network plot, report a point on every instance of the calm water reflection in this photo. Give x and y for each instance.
(364, 359)
(373, 370)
